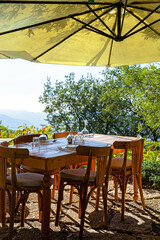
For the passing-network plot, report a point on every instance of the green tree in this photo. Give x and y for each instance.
(124, 101)
(145, 95)
(72, 101)
(98, 101)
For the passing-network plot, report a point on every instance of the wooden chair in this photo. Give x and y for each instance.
(57, 176)
(124, 168)
(26, 139)
(79, 165)
(82, 178)
(62, 134)
(24, 182)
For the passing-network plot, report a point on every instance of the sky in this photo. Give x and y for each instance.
(21, 82)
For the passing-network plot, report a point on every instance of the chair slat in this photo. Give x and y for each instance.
(101, 170)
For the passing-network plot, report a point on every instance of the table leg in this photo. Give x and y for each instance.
(135, 188)
(3, 207)
(46, 207)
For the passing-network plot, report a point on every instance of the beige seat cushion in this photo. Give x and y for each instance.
(117, 163)
(28, 179)
(77, 174)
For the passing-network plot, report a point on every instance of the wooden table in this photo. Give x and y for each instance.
(50, 158)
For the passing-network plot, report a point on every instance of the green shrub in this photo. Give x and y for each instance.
(151, 163)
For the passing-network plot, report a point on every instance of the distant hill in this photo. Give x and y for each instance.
(15, 118)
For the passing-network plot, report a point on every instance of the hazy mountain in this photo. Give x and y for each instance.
(15, 118)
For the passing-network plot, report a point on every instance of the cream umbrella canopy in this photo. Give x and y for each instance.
(74, 32)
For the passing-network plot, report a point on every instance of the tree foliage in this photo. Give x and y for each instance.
(145, 95)
(124, 101)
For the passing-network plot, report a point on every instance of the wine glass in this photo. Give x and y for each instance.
(139, 136)
(85, 131)
(70, 125)
(79, 138)
(43, 136)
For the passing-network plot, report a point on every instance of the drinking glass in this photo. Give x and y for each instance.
(79, 138)
(35, 144)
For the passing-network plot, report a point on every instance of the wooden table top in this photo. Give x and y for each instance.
(50, 157)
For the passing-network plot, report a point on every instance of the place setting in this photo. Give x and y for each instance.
(73, 141)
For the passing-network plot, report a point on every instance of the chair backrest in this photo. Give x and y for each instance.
(103, 155)
(4, 143)
(25, 138)
(10, 154)
(62, 134)
(136, 146)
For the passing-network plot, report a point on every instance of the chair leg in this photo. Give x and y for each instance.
(139, 180)
(104, 192)
(83, 209)
(80, 203)
(71, 194)
(60, 198)
(3, 207)
(72, 188)
(12, 214)
(56, 184)
(123, 196)
(97, 198)
(116, 188)
(23, 211)
(17, 199)
(40, 206)
(135, 188)
(54, 187)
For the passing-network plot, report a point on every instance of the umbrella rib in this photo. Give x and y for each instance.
(141, 21)
(68, 2)
(145, 2)
(101, 33)
(65, 39)
(91, 27)
(54, 2)
(56, 45)
(93, 11)
(46, 22)
(4, 55)
(142, 8)
(146, 26)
